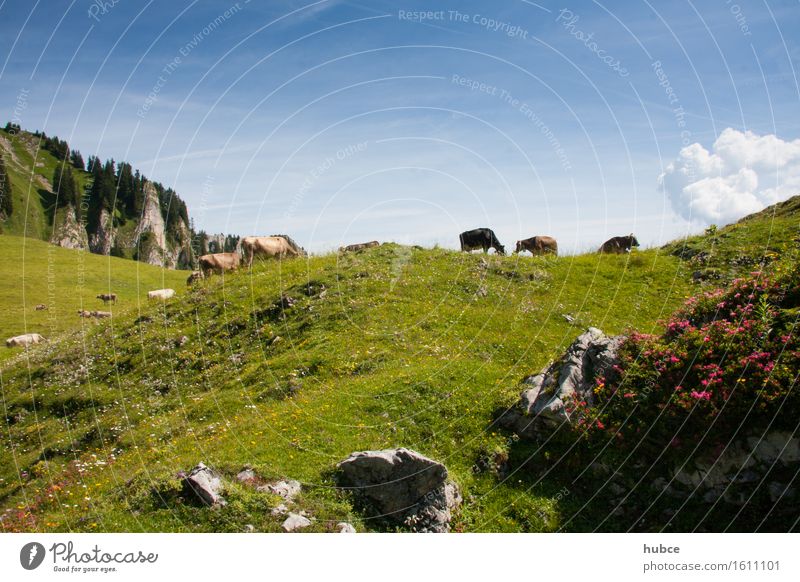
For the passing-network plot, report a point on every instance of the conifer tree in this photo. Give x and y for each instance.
(6, 204)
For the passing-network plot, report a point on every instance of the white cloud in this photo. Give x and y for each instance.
(743, 173)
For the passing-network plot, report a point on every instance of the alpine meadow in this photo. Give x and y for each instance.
(521, 269)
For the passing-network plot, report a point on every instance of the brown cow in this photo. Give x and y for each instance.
(195, 276)
(276, 246)
(106, 297)
(619, 244)
(538, 245)
(359, 246)
(95, 314)
(219, 263)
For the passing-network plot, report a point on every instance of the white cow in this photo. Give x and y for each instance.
(162, 294)
(23, 341)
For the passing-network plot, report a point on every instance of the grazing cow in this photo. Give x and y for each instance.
(195, 276)
(538, 245)
(218, 263)
(95, 314)
(481, 238)
(162, 294)
(41, 307)
(25, 340)
(279, 246)
(359, 246)
(106, 297)
(619, 244)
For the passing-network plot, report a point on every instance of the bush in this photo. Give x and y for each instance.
(725, 366)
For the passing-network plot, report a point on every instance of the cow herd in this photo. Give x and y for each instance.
(485, 239)
(277, 246)
(281, 246)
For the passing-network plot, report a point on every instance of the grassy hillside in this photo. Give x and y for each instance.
(291, 367)
(35, 272)
(392, 347)
(31, 170)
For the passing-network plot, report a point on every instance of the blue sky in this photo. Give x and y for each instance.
(340, 121)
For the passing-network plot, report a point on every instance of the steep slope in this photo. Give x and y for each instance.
(723, 254)
(30, 170)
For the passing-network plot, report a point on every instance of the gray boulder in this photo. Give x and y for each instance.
(544, 402)
(204, 485)
(344, 527)
(401, 486)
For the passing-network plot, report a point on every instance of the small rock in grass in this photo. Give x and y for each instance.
(288, 489)
(204, 485)
(294, 522)
(245, 475)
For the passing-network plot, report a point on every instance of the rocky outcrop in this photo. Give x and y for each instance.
(152, 220)
(102, 240)
(216, 243)
(401, 486)
(735, 473)
(70, 234)
(149, 239)
(545, 401)
(150, 236)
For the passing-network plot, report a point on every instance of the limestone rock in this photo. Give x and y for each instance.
(543, 403)
(102, 239)
(204, 485)
(70, 234)
(294, 522)
(288, 489)
(152, 229)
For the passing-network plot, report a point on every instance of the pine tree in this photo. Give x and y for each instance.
(65, 187)
(138, 194)
(202, 237)
(96, 194)
(125, 190)
(76, 159)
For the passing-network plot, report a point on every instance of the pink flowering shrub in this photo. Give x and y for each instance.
(726, 365)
